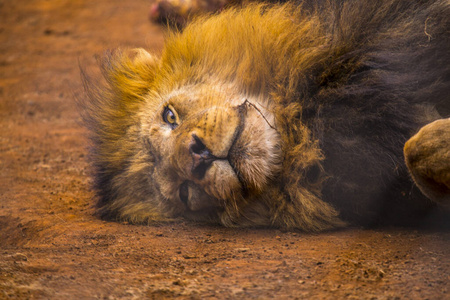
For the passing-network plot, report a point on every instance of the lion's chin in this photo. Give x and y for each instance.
(195, 198)
(255, 156)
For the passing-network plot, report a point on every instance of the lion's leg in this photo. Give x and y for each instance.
(427, 156)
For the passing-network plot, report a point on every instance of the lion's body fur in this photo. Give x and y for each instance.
(345, 84)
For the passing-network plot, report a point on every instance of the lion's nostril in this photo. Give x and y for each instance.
(201, 156)
(197, 145)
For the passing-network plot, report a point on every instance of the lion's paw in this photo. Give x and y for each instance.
(427, 156)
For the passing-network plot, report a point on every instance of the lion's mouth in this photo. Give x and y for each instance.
(195, 198)
(194, 195)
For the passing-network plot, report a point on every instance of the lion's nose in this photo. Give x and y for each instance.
(201, 157)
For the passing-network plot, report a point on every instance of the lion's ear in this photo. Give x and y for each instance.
(129, 73)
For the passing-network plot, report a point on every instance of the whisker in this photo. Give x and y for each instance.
(246, 102)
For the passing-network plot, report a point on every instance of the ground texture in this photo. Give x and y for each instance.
(51, 245)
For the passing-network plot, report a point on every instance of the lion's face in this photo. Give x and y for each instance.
(212, 148)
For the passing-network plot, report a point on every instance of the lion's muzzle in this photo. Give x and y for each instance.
(202, 157)
(223, 153)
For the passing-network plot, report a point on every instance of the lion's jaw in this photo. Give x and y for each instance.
(223, 151)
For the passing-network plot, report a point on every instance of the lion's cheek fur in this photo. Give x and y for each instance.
(257, 153)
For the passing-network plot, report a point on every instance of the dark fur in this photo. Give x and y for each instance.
(372, 98)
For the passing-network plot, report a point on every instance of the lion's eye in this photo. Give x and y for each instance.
(169, 116)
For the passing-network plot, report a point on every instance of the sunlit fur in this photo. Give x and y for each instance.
(427, 156)
(306, 106)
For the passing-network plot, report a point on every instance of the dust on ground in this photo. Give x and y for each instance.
(51, 245)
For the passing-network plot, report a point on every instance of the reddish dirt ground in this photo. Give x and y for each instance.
(51, 245)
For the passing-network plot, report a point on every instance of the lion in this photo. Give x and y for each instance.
(292, 116)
